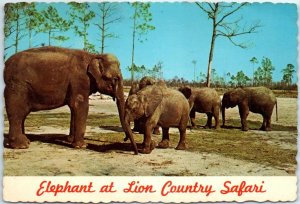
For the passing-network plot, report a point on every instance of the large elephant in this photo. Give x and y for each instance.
(50, 77)
(203, 100)
(158, 105)
(255, 99)
(145, 81)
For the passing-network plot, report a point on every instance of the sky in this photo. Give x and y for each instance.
(183, 34)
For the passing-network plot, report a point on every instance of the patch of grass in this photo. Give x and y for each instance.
(240, 145)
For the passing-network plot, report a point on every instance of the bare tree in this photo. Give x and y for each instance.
(14, 23)
(107, 17)
(224, 26)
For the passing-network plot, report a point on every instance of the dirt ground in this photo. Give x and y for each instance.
(107, 154)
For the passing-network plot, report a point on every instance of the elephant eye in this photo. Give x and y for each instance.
(105, 78)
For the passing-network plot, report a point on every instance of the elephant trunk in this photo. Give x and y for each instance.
(129, 134)
(223, 115)
(119, 94)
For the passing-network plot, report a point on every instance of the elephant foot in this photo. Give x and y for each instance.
(145, 150)
(79, 144)
(163, 144)
(217, 127)
(266, 129)
(193, 127)
(70, 138)
(181, 146)
(156, 131)
(245, 128)
(21, 142)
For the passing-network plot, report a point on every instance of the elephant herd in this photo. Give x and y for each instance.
(50, 77)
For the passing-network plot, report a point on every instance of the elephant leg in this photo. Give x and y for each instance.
(165, 139)
(209, 120)
(268, 123)
(182, 144)
(17, 110)
(156, 130)
(244, 112)
(147, 140)
(70, 138)
(216, 113)
(263, 125)
(192, 117)
(79, 110)
(135, 127)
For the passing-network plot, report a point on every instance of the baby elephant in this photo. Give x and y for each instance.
(159, 105)
(203, 100)
(255, 99)
(145, 81)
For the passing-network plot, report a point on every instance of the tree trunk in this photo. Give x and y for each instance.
(103, 29)
(212, 45)
(49, 37)
(17, 32)
(133, 40)
(30, 38)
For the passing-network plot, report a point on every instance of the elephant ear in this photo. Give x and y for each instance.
(187, 91)
(95, 68)
(238, 96)
(153, 100)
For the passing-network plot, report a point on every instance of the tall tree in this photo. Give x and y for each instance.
(81, 16)
(141, 26)
(14, 23)
(240, 79)
(263, 74)
(34, 20)
(253, 61)
(288, 74)
(54, 23)
(107, 17)
(224, 26)
(194, 62)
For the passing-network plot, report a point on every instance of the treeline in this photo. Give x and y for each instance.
(261, 76)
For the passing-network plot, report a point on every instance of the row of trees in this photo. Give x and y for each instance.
(25, 19)
(261, 76)
(141, 71)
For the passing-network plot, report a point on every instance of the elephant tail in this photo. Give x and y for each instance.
(276, 111)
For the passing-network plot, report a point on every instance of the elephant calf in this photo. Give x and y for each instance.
(158, 105)
(145, 81)
(255, 99)
(203, 100)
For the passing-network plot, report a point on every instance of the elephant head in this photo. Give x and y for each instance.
(146, 81)
(104, 71)
(231, 99)
(142, 105)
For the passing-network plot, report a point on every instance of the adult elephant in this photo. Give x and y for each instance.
(203, 100)
(50, 77)
(145, 81)
(255, 99)
(158, 105)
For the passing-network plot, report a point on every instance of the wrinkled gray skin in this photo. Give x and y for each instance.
(159, 105)
(145, 81)
(50, 77)
(255, 99)
(203, 100)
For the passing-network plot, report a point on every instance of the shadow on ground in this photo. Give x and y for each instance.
(61, 139)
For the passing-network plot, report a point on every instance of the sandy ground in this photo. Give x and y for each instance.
(50, 159)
